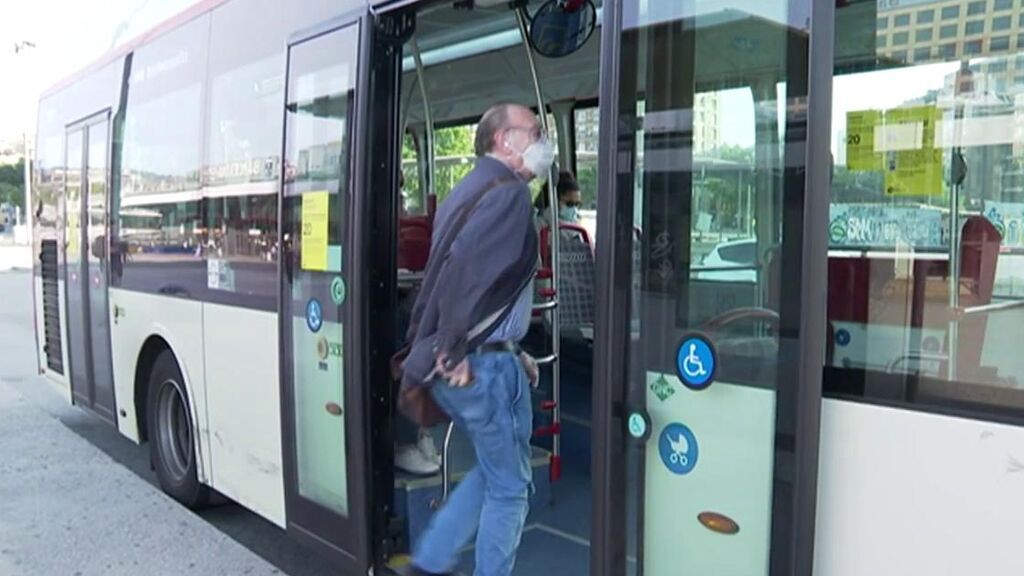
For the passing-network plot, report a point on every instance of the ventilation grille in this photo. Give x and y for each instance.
(51, 307)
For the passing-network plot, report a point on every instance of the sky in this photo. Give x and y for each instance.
(68, 35)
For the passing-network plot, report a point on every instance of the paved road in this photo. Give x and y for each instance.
(76, 498)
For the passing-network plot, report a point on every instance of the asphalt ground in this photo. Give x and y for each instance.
(77, 498)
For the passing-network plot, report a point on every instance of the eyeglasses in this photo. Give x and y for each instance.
(535, 132)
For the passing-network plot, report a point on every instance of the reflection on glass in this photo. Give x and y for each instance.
(160, 167)
(926, 259)
(707, 92)
(319, 108)
(242, 169)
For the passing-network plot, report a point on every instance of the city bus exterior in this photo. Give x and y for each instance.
(217, 240)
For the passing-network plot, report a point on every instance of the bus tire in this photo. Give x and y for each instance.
(172, 445)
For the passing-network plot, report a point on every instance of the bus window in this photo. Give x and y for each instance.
(587, 140)
(926, 251)
(242, 164)
(160, 171)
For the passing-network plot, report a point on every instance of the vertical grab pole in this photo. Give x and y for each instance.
(428, 177)
(446, 464)
(963, 87)
(428, 119)
(556, 384)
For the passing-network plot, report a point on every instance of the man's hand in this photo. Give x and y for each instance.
(530, 365)
(460, 377)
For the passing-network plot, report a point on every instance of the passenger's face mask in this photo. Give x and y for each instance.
(538, 157)
(568, 213)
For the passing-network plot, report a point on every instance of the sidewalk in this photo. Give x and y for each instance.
(13, 257)
(67, 508)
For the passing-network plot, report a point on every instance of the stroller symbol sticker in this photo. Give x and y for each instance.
(696, 362)
(678, 448)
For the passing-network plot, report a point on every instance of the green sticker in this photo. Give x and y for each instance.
(837, 231)
(662, 388)
(637, 425)
(338, 290)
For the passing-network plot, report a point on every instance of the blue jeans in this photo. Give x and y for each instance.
(495, 411)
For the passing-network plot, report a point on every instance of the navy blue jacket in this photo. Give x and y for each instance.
(490, 262)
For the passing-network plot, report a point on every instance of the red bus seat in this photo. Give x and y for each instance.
(414, 235)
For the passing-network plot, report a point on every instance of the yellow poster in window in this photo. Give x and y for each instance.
(914, 173)
(315, 216)
(913, 165)
(860, 140)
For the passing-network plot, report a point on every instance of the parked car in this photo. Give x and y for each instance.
(732, 261)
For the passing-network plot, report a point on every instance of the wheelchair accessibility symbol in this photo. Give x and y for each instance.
(314, 315)
(696, 362)
(678, 448)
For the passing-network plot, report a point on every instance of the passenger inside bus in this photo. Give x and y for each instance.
(570, 200)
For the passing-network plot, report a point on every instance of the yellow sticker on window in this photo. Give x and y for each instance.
(860, 140)
(914, 173)
(315, 216)
(913, 165)
(901, 144)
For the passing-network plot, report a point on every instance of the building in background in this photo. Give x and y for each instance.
(707, 122)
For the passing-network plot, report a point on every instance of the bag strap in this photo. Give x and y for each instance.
(460, 222)
(453, 231)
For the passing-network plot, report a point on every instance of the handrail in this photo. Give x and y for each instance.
(556, 336)
(996, 307)
(698, 269)
(545, 306)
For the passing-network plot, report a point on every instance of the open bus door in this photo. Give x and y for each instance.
(324, 419)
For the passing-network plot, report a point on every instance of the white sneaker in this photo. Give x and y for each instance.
(427, 447)
(411, 459)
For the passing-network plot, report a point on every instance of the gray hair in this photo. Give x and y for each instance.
(493, 120)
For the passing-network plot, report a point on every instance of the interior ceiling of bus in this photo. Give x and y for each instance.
(463, 88)
(732, 49)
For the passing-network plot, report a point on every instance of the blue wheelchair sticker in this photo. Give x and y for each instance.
(696, 362)
(678, 448)
(843, 337)
(314, 315)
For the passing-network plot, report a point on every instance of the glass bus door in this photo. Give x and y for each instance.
(322, 397)
(86, 278)
(707, 427)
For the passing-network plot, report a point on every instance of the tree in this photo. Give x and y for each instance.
(453, 153)
(736, 154)
(12, 183)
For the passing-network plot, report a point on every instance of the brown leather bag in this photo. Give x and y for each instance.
(415, 402)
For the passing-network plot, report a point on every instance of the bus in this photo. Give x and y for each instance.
(786, 346)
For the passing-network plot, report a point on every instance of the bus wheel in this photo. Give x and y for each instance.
(172, 446)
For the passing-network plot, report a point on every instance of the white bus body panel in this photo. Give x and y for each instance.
(903, 492)
(180, 323)
(244, 408)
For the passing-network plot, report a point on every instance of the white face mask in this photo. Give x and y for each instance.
(538, 158)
